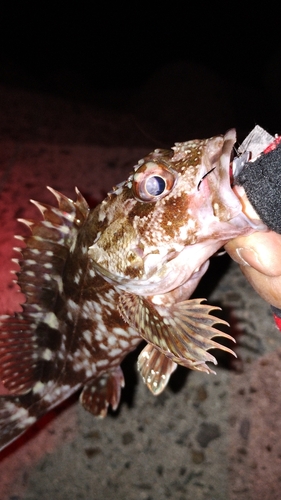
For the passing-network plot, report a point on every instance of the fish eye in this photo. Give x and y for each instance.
(155, 185)
(152, 181)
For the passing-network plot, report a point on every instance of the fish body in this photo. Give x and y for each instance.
(99, 281)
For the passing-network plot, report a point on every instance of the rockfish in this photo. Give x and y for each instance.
(99, 281)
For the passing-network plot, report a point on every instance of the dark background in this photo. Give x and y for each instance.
(107, 53)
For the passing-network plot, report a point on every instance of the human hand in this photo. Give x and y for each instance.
(259, 257)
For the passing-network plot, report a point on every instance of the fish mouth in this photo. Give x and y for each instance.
(223, 168)
(225, 203)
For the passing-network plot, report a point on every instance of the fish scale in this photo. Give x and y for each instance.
(98, 281)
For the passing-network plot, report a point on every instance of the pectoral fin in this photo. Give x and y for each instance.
(183, 332)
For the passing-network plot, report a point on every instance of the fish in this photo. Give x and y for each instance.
(98, 282)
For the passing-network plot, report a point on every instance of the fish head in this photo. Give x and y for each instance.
(174, 211)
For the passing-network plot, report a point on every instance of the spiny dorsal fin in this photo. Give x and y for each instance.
(29, 341)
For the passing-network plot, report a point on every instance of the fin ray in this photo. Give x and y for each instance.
(43, 259)
(182, 332)
(98, 394)
(18, 363)
(155, 369)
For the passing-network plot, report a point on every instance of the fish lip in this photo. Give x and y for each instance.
(225, 202)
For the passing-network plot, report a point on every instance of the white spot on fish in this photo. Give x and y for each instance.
(47, 354)
(51, 320)
(69, 315)
(114, 352)
(87, 336)
(111, 340)
(73, 305)
(49, 224)
(58, 279)
(64, 229)
(215, 207)
(86, 352)
(38, 388)
(119, 331)
(102, 363)
(124, 343)
(20, 415)
(55, 393)
(30, 273)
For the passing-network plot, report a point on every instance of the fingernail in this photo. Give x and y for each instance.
(247, 256)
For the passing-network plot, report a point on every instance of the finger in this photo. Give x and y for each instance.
(268, 287)
(260, 250)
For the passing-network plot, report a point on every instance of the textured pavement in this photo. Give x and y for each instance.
(206, 437)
